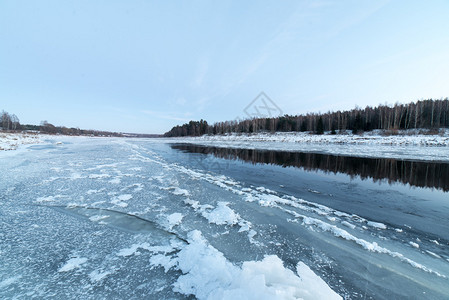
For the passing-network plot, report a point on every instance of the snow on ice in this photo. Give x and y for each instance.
(73, 263)
(266, 279)
(177, 200)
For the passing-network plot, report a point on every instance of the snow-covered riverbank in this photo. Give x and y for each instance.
(403, 138)
(20, 140)
(12, 141)
(373, 144)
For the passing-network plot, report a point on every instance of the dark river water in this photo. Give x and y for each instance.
(414, 173)
(410, 196)
(411, 193)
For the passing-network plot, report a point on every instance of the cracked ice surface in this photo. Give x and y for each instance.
(123, 218)
(111, 219)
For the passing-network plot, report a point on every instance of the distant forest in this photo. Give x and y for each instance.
(10, 122)
(426, 114)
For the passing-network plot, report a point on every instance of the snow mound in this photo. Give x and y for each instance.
(207, 274)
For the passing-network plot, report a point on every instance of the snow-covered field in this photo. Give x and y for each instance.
(406, 145)
(12, 141)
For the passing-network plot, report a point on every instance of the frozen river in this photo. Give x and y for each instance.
(123, 218)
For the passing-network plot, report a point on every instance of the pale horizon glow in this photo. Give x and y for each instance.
(146, 66)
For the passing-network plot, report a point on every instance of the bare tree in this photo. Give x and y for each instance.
(6, 120)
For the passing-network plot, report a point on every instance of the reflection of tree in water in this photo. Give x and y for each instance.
(415, 173)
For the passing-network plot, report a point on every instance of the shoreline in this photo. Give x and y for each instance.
(377, 137)
(10, 141)
(420, 147)
(406, 145)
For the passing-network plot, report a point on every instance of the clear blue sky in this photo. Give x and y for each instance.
(145, 66)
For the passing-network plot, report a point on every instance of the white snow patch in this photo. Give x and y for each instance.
(341, 214)
(222, 215)
(376, 225)
(119, 203)
(99, 176)
(174, 219)
(46, 199)
(132, 250)
(137, 187)
(116, 180)
(180, 192)
(251, 234)
(193, 203)
(124, 197)
(244, 226)
(90, 192)
(73, 263)
(75, 176)
(313, 191)
(414, 245)
(433, 254)
(163, 260)
(332, 219)
(119, 200)
(97, 218)
(265, 190)
(96, 275)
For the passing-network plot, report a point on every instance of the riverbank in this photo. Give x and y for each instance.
(409, 145)
(377, 137)
(12, 141)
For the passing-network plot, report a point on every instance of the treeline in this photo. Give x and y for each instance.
(10, 122)
(429, 114)
(193, 128)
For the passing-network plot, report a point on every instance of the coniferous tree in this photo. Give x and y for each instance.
(320, 126)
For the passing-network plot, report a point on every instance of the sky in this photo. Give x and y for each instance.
(145, 66)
